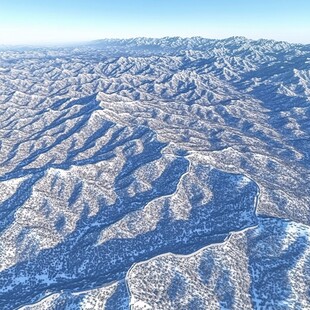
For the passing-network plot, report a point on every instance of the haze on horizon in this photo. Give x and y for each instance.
(58, 21)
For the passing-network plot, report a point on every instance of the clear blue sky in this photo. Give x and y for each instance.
(58, 21)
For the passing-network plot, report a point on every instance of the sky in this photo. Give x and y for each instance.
(68, 21)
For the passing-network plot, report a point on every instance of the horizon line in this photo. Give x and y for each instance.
(85, 42)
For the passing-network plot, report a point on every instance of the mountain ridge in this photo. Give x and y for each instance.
(113, 157)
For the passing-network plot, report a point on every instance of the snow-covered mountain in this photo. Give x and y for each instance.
(155, 174)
